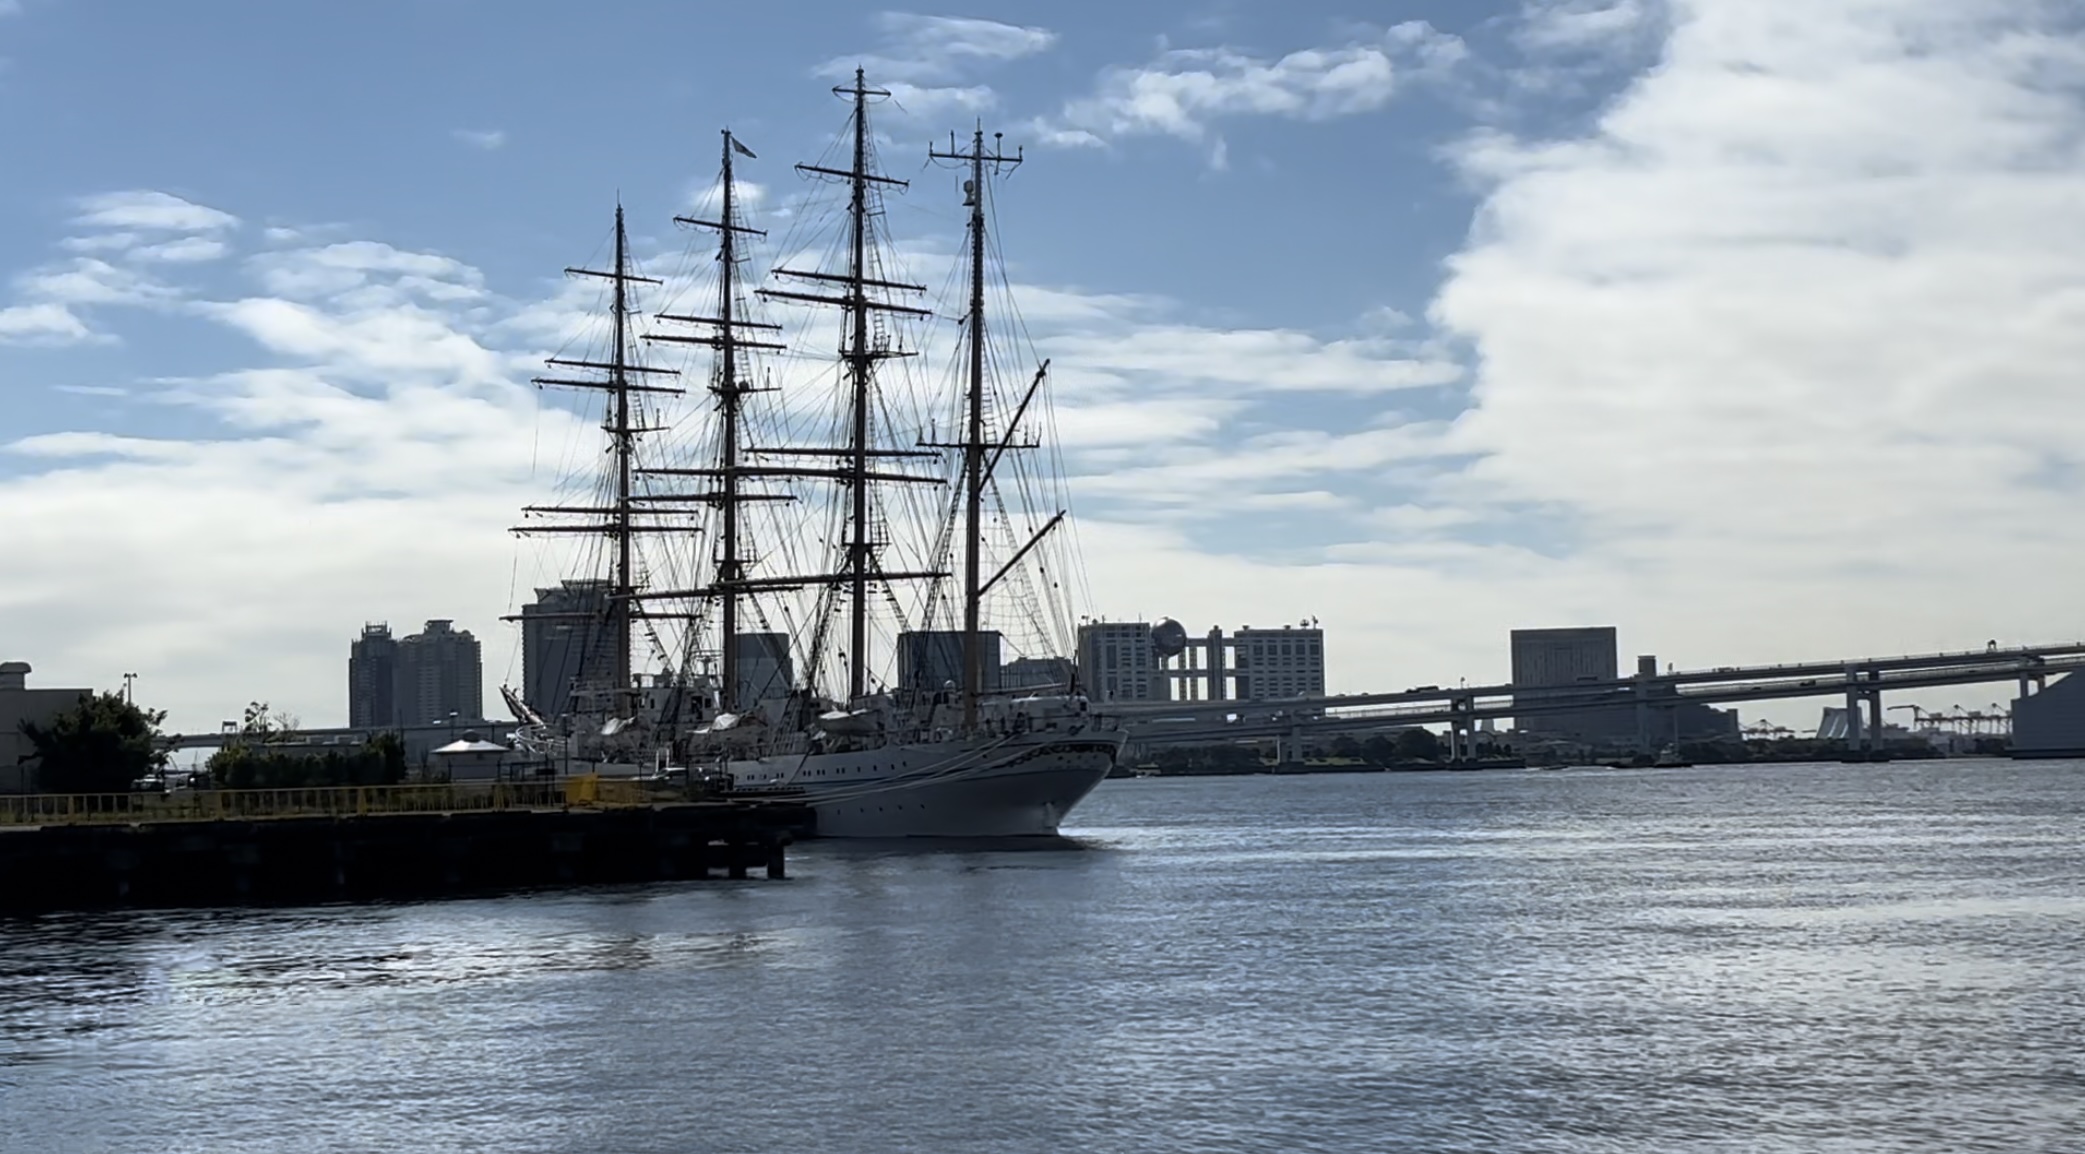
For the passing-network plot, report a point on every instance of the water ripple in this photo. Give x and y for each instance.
(1816, 958)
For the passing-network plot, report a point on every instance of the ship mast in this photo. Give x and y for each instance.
(619, 605)
(973, 443)
(860, 353)
(616, 520)
(859, 365)
(730, 389)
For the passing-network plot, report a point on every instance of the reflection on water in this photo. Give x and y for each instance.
(1782, 958)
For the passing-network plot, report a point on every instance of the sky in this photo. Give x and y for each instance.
(1751, 327)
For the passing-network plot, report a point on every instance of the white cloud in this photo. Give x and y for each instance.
(916, 48)
(1793, 328)
(1267, 467)
(336, 269)
(47, 323)
(923, 61)
(707, 194)
(370, 343)
(1583, 25)
(930, 101)
(370, 473)
(486, 140)
(183, 250)
(1184, 92)
(102, 242)
(147, 210)
(1249, 361)
(91, 281)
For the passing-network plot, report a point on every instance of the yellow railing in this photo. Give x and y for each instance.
(332, 801)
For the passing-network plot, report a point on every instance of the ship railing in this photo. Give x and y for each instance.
(586, 791)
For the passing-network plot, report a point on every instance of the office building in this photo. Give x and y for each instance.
(1555, 658)
(764, 671)
(1273, 664)
(566, 640)
(440, 676)
(933, 659)
(373, 679)
(1544, 657)
(1117, 663)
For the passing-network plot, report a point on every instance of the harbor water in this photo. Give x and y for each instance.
(1778, 958)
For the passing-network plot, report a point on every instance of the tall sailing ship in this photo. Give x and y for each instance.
(880, 525)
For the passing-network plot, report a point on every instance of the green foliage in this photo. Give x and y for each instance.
(269, 765)
(1417, 745)
(1209, 759)
(100, 745)
(264, 723)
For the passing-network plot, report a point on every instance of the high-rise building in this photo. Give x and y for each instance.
(764, 670)
(933, 659)
(566, 639)
(440, 676)
(373, 679)
(1271, 664)
(1550, 658)
(1117, 663)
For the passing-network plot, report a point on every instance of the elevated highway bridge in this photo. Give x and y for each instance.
(1861, 682)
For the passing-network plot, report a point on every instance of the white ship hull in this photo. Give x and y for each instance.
(1022, 785)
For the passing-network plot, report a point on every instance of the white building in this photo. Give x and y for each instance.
(470, 758)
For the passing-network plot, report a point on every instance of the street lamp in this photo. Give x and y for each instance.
(127, 679)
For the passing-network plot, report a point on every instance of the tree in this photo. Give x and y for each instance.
(100, 745)
(266, 724)
(1418, 745)
(267, 765)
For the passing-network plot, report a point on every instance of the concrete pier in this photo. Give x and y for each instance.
(312, 859)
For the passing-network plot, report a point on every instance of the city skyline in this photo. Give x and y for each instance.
(1524, 315)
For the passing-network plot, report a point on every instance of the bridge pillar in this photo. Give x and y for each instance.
(1462, 741)
(1875, 716)
(1853, 716)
